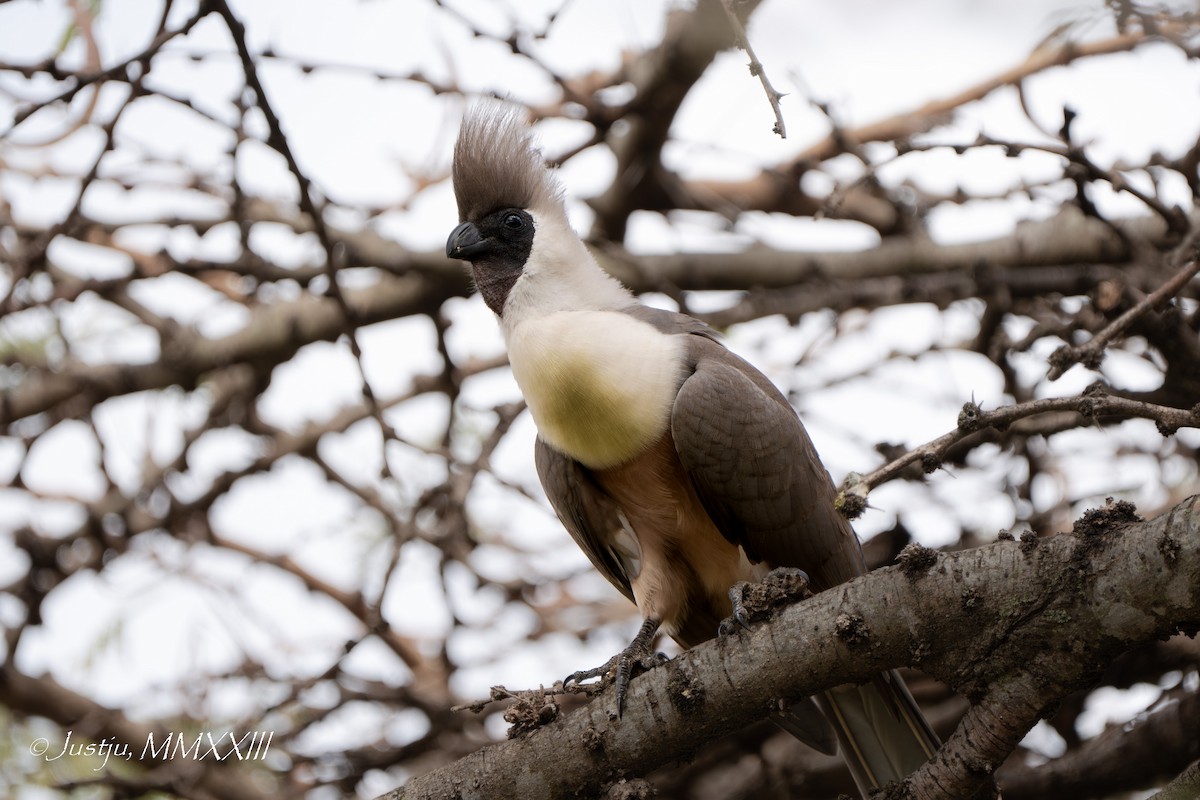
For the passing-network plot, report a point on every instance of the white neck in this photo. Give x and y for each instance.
(560, 275)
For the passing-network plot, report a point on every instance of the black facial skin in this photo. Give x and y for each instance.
(497, 247)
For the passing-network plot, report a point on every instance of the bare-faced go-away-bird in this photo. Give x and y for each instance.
(676, 466)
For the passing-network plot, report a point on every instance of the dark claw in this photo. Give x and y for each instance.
(638, 657)
(596, 672)
(741, 615)
(630, 666)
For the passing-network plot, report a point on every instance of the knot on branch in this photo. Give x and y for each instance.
(1091, 401)
(915, 560)
(1068, 356)
(851, 501)
(685, 692)
(852, 629)
(970, 418)
(1029, 542)
(1165, 429)
(531, 711)
(1169, 546)
(1099, 522)
(592, 740)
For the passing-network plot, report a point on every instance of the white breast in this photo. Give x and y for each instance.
(600, 384)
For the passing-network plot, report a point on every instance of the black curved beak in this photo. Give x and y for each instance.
(466, 243)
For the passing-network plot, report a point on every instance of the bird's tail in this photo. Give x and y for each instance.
(882, 734)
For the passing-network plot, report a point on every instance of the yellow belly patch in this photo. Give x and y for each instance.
(599, 384)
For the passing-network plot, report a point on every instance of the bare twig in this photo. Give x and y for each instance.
(901, 126)
(84, 23)
(756, 67)
(1094, 403)
(1091, 354)
(84, 80)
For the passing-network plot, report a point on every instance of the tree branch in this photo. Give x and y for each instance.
(777, 188)
(273, 334)
(1092, 404)
(1067, 238)
(662, 78)
(756, 67)
(1161, 744)
(1092, 353)
(990, 622)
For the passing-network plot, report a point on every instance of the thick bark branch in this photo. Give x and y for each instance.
(1013, 626)
(1067, 238)
(1161, 745)
(1184, 787)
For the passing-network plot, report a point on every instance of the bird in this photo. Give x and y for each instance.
(677, 467)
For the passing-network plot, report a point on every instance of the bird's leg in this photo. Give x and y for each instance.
(638, 656)
(755, 601)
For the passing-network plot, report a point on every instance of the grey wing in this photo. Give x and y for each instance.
(756, 471)
(589, 515)
(670, 321)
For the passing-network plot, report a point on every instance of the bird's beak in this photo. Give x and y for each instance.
(466, 243)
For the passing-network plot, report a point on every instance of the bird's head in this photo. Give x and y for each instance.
(507, 199)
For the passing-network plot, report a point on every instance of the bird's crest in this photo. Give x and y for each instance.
(497, 165)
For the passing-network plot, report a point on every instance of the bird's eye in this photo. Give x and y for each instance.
(514, 222)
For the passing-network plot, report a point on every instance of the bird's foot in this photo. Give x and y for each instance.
(756, 601)
(638, 657)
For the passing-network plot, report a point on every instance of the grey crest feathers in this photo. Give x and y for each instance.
(497, 165)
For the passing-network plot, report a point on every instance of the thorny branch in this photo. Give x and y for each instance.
(756, 68)
(1092, 353)
(1091, 407)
